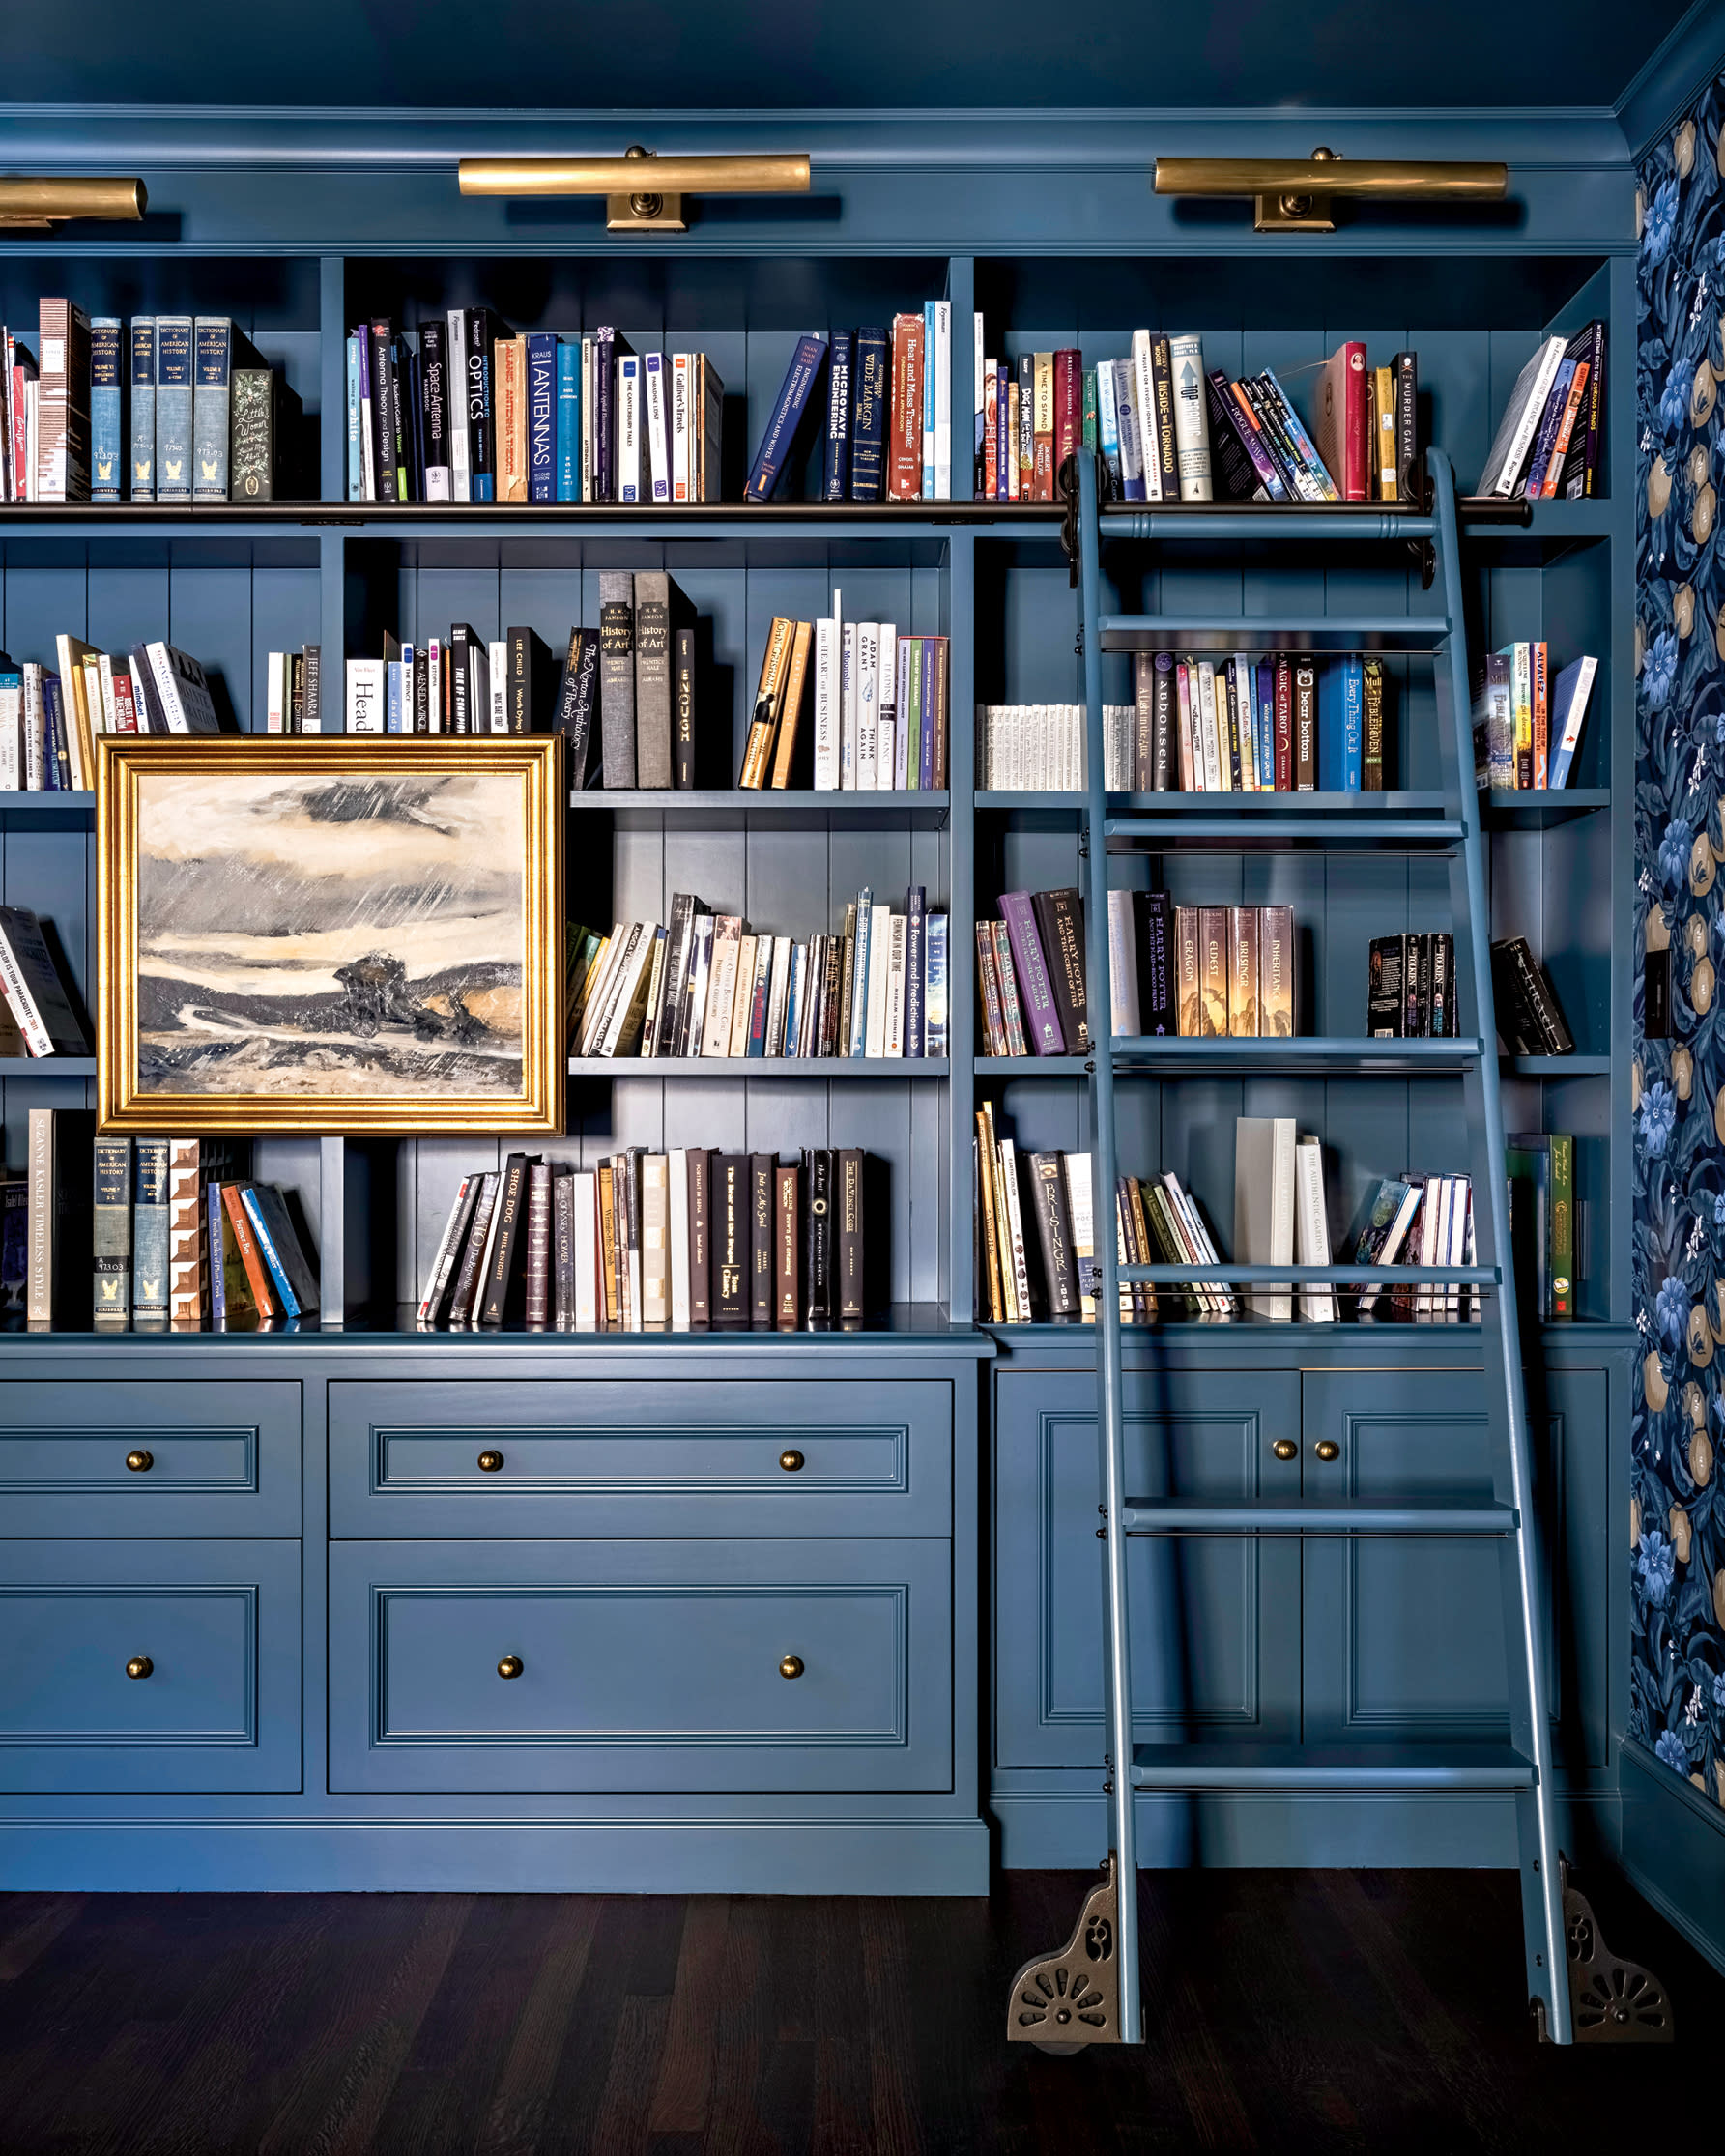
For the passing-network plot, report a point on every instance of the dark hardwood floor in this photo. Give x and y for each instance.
(1332, 2010)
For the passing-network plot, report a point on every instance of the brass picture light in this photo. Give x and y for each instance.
(643, 192)
(1295, 194)
(38, 205)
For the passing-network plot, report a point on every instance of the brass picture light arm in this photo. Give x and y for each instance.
(38, 205)
(1295, 194)
(643, 192)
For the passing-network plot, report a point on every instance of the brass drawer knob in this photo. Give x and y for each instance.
(1285, 1449)
(511, 1665)
(140, 1665)
(139, 1461)
(791, 1460)
(490, 1462)
(792, 1666)
(1327, 1449)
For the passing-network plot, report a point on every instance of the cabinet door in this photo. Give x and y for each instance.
(1405, 1635)
(1214, 1638)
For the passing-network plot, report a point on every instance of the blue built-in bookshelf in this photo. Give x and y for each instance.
(931, 1559)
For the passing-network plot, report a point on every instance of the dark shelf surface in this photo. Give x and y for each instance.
(1318, 1054)
(1556, 1066)
(787, 808)
(63, 812)
(1539, 810)
(1272, 632)
(47, 1066)
(776, 1067)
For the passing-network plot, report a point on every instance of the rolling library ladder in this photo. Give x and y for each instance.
(1089, 1992)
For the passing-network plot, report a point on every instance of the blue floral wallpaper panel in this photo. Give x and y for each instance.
(1676, 1519)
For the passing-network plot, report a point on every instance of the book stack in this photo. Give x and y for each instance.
(1421, 1220)
(878, 707)
(1530, 1019)
(38, 1017)
(1410, 993)
(1040, 748)
(165, 408)
(1541, 1171)
(709, 986)
(1551, 438)
(1167, 429)
(692, 1240)
(1525, 724)
(49, 721)
(886, 433)
(463, 409)
(1030, 975)
(1204, 972)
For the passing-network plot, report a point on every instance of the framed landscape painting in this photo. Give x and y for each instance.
(331, 934)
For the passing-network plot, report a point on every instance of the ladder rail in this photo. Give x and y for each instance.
(1110, 1381)
(1529, 1718)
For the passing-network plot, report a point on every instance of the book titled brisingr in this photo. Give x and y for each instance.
(690, 1240)
(709, 986)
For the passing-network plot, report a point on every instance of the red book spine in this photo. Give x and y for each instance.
(1284, 727)
(904, 478)
(1356, 447)
(1069, 405)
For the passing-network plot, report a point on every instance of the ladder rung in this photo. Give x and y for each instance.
(1271, 832)
(1191, 1516)
(1297, 1767)
(1308, 1052)
(1208, 633)
(1309, 1275)
(1274, 520)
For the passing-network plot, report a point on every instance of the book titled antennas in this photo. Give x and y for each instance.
(161, 407)
(709, 985)
(692, 1240)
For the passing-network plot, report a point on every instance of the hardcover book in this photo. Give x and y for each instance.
(616, 677)
(870, 396)
(107, 435)
(173, 407)
(1213, 960)
(791, 402)
(143, 407)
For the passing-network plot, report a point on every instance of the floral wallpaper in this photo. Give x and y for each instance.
(1677, 1520)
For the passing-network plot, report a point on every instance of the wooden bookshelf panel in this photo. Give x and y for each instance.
(1554, 887)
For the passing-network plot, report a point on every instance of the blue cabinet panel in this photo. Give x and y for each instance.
(1215, 1646)
(642, 1666)
(215, 1459)
(1405, 1636)
(595, 1459)
(212, 1634)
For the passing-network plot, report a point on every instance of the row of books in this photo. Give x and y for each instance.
(1204, 971)
(693, 1240)
(1041, 748)
(49, 721)
(1283, 722)
(709, 986)
(38, 1014)
(1416, 1220)
(877, 704)
(1551, 438)
(464, 410)
(143, 1234)
(1410, 986)
(888, 427)
(1526, 724)
(1030, 975)
(458, 683)
(165, 408)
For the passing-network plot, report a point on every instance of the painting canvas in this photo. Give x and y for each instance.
(359, 943)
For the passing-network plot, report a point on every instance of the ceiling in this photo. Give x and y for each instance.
(663, 55)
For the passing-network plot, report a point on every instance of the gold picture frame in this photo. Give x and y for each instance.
(318, 933)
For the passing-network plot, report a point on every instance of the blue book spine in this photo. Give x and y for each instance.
(789, 406)
(56, 773)
(1549, 425)
(219, 1287)
(150, 1230)
(173, 408)
(870, 398)
(1133, 441)
(255, 1213)
(392, 697)
(927, 400)
(107, 444)
(934, 988)
(541, 416)
(1341, 697)
(212, 343)
(356, 483)
(143, 408)
(1266, 710)
(915, 940)
(835, 479)
(568, 422)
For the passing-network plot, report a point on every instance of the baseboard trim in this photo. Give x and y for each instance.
(1672, 1849)
(221, 1856)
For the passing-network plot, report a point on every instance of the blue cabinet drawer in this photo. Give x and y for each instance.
(588, 1460)
(642, 1666)
(212, 1458)
(141, 1666)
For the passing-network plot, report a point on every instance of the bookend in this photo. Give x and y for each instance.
(1062, 2002)
(1611, 2001)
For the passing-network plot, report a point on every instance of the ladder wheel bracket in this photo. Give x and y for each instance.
(1611, 2001)
(1065, 2003)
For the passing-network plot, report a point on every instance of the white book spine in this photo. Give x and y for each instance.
(868, 702)
(778, 997)
(1192, 421)
(12, 739)
(1283, 1202)
(587, 1250)
(275, 693)
(628, 428)
(1123, 971)
(110, 711)
(826, 707)
(715, 1038)
(365, 711)
(894, 986)
(888, 727)
(455, 374)
(167, 689)
(589, 492)
(1081, 1205)
(497, 686)
(680, 1241)
(743, 1003)
(973, 448)
(1144, 398)
(944, 400)
(880, 934)
(1015, 1215)
(658, 433)
(848, 707)
(1317, 1304)
(1207, 731)
(439, 1271)
(683, 380)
